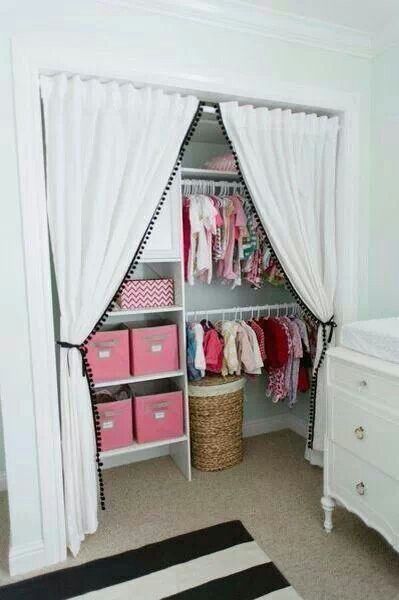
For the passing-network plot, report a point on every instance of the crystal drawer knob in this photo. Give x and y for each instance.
(359, 433)
(363, 384)
(360, 488)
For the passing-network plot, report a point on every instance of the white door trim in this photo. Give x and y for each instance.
(45, 53)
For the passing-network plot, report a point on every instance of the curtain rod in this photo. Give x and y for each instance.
(211, 110)
(285, 309)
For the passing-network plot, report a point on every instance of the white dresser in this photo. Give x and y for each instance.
(361, 462)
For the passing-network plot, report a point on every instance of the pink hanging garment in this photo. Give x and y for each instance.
(229, 224)
(241, 232)
(260, 337)
(186, 234)
(213, 349)
(217, 247)
(297, 355)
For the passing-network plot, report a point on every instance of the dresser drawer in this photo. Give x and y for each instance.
(372, 436)
(364, 382)
(365, 490)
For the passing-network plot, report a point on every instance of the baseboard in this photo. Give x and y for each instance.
(315, 457)
(250, 428)
(266, 425)
(29, 557)
(298, 425)
(275, 423)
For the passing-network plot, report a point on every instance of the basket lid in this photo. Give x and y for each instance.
(227, 384)
(215, 380)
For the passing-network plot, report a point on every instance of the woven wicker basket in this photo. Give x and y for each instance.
(216, 414)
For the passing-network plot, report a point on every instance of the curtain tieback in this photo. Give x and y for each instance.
(68, 347)
(332, 325)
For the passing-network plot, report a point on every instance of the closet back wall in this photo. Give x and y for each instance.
(164, 45)
(208, 141)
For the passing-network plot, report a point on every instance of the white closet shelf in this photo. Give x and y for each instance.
(209, 174)
(144, 311)
(159, 259)
(139, 378)
(137, 447)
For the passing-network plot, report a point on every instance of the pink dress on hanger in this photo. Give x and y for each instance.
(225, 266)
(292, 366)
(186, 234)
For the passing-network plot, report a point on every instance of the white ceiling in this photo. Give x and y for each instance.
(366, 15)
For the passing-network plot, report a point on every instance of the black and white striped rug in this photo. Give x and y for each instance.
(217, 563)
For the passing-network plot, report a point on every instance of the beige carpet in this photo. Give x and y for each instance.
(274, 492)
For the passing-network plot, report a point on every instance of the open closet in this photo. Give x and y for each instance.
(218, 223)
(217, 298)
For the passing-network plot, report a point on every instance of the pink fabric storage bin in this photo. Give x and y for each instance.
(143, 293)
(158, 417)
(154, 350)
(116, 422)
(108, 355)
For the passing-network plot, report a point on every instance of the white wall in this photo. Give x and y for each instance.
(165, 45)
(384, 205)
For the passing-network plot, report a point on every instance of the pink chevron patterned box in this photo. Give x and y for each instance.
(146, 293)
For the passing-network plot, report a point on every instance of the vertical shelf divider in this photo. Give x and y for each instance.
(181, 452)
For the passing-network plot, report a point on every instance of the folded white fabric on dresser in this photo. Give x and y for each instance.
(377, 337)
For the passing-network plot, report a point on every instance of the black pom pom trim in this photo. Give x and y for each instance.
(306, 310)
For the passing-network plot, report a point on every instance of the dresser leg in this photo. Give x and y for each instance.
(328, 505)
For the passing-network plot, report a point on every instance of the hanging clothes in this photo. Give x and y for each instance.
(246, 356)
(260, 336)
(213, 348)
(279, 347)
(292, 373)
(193, 373)
(278, 355)
(223, 238)
(231, 365)
(186, 235)
(202, 215)
(257, 365)
(305, 362)
(199, 359)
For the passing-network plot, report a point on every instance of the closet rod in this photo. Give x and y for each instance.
(211, 182)
(285, 309)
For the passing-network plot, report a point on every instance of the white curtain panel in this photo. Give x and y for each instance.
(288, 161)
(110, 150)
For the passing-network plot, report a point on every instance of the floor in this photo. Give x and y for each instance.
(274, 492)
